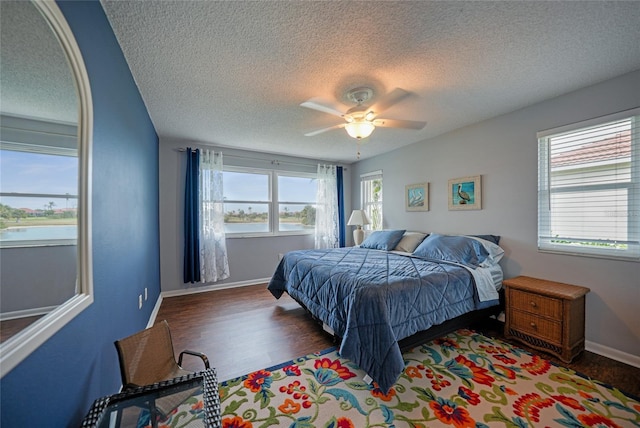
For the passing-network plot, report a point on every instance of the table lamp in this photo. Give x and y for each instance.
(358, 218)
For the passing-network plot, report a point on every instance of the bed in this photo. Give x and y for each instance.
(373, 297)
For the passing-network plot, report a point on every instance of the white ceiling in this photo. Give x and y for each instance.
(233, 73)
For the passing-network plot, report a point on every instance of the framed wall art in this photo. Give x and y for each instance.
(465, 193)
(416, 197)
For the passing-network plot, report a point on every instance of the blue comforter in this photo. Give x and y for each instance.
(374, 298)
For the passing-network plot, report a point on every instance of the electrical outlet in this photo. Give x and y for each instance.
(145, 294)
(140, 301)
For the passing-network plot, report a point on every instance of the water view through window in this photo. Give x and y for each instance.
(38, 233)
(38, 197)
(252, 200)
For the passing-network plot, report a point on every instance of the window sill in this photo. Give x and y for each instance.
(266, 235)
(591, 255)
(30, 244)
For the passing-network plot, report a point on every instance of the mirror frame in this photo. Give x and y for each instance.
(20, 346)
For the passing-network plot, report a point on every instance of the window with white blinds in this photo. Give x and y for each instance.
(371, 192)
(589, 187)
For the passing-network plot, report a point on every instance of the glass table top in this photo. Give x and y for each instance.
(190, 401)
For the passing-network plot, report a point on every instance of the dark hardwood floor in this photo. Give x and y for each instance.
(10, 328)
(241, 329)
(246, 329)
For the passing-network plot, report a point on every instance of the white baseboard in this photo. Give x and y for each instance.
(614, 354)
(154, 313)
(213, 287)
(26, 313)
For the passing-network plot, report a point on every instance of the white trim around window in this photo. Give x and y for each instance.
(371, 199)
(589, 187)
(272, 202)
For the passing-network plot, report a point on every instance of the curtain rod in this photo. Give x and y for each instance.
(272, 161)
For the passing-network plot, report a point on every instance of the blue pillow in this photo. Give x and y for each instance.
(491, 238)
(383, 240)
(458, 249)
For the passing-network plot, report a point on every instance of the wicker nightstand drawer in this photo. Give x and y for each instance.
(536, 304)
(542, 328)
(546, 315)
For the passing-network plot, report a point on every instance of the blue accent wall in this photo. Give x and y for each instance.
(56, 384)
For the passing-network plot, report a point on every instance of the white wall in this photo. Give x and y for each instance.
(250, 259)
(504, 151)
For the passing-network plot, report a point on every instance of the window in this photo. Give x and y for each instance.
(296, 203)
(371, 194)
(264, 202)
(38, 196)
(247, 201)
(589, 187)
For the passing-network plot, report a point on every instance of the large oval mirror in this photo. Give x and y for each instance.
(45, 143)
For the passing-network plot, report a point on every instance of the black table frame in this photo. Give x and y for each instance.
(104, 406)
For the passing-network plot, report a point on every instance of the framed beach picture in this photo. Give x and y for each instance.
(416, 197)
(465, 193)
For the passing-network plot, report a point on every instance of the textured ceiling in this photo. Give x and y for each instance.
(35, 78)
(233, 73)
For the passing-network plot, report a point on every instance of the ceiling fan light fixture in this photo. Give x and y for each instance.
(359, 129)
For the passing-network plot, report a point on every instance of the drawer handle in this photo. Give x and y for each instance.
(533, 304)
(533, 325)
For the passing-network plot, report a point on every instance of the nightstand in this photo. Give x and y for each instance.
(546, 315)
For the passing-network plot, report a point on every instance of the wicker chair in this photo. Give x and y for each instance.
(147, 357)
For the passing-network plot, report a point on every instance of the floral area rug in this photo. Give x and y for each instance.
(463, 380)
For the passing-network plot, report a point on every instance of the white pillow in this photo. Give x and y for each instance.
(495, 252)
(410, 241)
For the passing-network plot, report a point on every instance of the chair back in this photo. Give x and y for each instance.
(147, 357)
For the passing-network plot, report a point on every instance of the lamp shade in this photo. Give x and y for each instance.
(359, 129)
(358, 218)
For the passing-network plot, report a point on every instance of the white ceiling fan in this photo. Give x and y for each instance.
(362, 120)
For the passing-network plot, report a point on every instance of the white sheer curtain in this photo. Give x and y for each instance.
(327, 208)
(214, 264)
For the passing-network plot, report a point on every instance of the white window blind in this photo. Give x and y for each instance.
(589, 187)
(371, 191)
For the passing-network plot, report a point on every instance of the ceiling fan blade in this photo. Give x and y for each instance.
(389, 99)
(397, 123)
(323, 106)
(320, 131)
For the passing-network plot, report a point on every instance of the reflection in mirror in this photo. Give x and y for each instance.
(45, 129)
